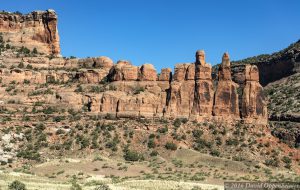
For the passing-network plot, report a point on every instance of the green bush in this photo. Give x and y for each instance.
(163, 130)
(154, 153)
(197, 133)
(102, 187)
(138, 90)
(96, 89)
(215, 153)
(151, 143)
(231, 142)
(131, 155)
(272, 162)
(29, 154)
(75, 186)
(24, 50)
(26, 81)
(17, 185)
(21, 65)
(177, 123)
(201, 144)
(34, 51)
(79, 89)
(170, 146)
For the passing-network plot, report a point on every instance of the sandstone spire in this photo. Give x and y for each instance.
(203, 95)
(226, 97)
(254, 105)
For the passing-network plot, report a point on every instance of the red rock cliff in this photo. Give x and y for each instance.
(37, 29)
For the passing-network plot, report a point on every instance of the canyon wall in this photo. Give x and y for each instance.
(99, 86)
(37, 29)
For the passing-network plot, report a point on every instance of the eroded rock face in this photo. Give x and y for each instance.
(165, 74)
(254, 104)
(123, 71)
(204, 91)
(147, 73)
(37, 29)
(226, 97)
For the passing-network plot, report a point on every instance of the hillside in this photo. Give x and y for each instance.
(273, 66)
(93, 122)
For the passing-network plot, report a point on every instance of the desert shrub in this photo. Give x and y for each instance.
(163, 130)
(130, 155)
(39, 92)
(79, 89)
(21, 65)
(82, 141)
(219, 141)
(170, 146)
(58, 118)
(287, 162)
(151, 143)
(102, 187)
(138, 90)
(10, 88)
(197, 133)
(231, 142)
(177, 123)
(112, 144)
(17, 185)
(24, 50)
(154, 153)
(49, 110)
(272, 162)
(201, 144)
(34, 51)
(75, 186)
(26, 81)
(215, 153)
(29, 66)
(29, 154)
(96, 89)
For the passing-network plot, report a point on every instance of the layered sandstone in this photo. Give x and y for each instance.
(37, 29)
(253, 99)
(124, 90)
(204, 91)
(226, 97)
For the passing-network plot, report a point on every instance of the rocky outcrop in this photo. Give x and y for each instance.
(204, 91)
(123, 71)
(165, 74)
(130, 91)
(254, 105)
(147, 73)
(272, 67)
(34, 30)
(226, 97)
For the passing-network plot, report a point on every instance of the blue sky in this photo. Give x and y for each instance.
(166, 32)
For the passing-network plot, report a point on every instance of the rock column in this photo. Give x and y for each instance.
(204, 92)
(226, 97)
(254, 105)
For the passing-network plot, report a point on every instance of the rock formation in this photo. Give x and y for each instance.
(226, 97)
(253, 99)
(204, 91)
(34, 30)
(122, 90)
